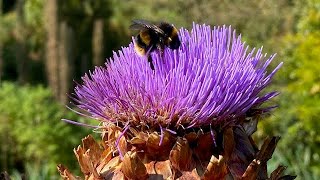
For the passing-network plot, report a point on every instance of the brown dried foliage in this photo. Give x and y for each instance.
(194, 155)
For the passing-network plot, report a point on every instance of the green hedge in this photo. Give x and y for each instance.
(32, 133)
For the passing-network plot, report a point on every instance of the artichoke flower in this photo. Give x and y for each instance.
(190, 118)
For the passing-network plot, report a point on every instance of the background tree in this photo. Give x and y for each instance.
(52, 59)
(20, 36)
(1, 59)
(66, 46)
(97, 42)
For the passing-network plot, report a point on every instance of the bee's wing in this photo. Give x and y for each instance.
(140, 24)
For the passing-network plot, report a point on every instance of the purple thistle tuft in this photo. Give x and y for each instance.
(211, 79)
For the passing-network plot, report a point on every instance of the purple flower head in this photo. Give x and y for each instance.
(211, 79)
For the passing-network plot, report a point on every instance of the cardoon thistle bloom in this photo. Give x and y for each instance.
(190, 118)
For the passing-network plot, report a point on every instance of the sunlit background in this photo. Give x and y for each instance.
(46, 46)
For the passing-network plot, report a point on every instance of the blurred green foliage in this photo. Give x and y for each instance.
(34, 172)
(297, 118)
(31, 129)
(34, 140)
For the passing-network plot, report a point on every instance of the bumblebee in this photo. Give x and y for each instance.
(153, 37)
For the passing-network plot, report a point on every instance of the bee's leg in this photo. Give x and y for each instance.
(150, 61)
